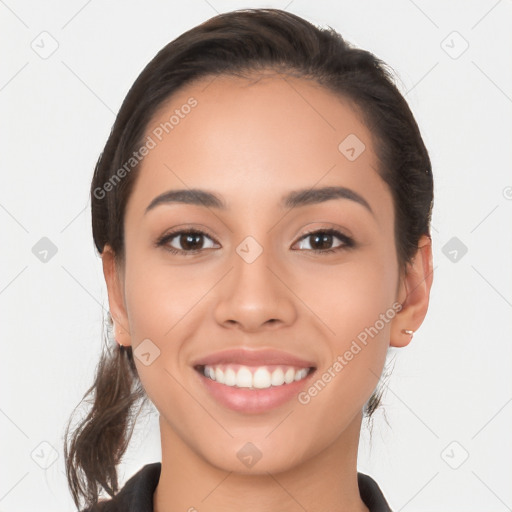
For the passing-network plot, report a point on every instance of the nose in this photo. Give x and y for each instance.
(254, 295)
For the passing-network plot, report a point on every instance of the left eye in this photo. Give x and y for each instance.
(323, 238)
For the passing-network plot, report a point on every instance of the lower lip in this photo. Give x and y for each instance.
(253, 401)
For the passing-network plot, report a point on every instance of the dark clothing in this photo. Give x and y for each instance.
(137, 493)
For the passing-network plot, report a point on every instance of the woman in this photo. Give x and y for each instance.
(262, 209)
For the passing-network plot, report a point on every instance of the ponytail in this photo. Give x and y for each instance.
(98, 443)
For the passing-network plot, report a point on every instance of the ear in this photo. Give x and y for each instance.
(114, 280)
(413, 294)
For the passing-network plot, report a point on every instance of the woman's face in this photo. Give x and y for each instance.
(246, 298)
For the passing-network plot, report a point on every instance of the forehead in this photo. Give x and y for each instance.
(264, 135)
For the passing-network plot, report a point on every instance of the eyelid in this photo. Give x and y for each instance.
(347, 241)
(319, 225)
(185, 228)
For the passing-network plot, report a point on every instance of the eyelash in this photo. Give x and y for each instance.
(347, 241)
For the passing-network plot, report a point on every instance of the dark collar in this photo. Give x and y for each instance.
(137, 493)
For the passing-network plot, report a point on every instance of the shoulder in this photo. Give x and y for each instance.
(371, 494)
(136, 494)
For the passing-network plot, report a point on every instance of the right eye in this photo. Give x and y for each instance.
(190, 240)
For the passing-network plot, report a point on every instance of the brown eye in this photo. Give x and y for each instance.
(322, 241)
(185, 242)
(190, 241)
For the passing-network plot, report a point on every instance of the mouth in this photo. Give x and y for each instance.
(253, 382)
(253, 377)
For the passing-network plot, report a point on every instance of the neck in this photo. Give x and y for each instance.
(327, 481)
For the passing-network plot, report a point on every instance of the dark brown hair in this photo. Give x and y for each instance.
(240, 43)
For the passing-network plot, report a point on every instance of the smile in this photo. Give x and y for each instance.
(253, 381)
(254, 377)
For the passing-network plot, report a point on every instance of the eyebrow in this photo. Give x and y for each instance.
(293, 199)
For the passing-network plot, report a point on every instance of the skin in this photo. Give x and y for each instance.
(251, 142)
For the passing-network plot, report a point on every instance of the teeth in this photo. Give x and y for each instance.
(230, 377)
(277, 377)
(256, 378)
(243, 378)
(301, 374)
(289, 376)
(262, 378)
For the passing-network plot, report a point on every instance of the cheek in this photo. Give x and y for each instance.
(350, 297)
(358, 308)
(355, 304)
(158, 297)
(164, 306)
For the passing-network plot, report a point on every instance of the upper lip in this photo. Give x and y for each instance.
(259, 357)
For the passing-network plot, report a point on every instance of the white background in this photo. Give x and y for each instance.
(452, 383)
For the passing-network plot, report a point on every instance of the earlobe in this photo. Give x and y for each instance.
(414, 295)
(115, 297)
